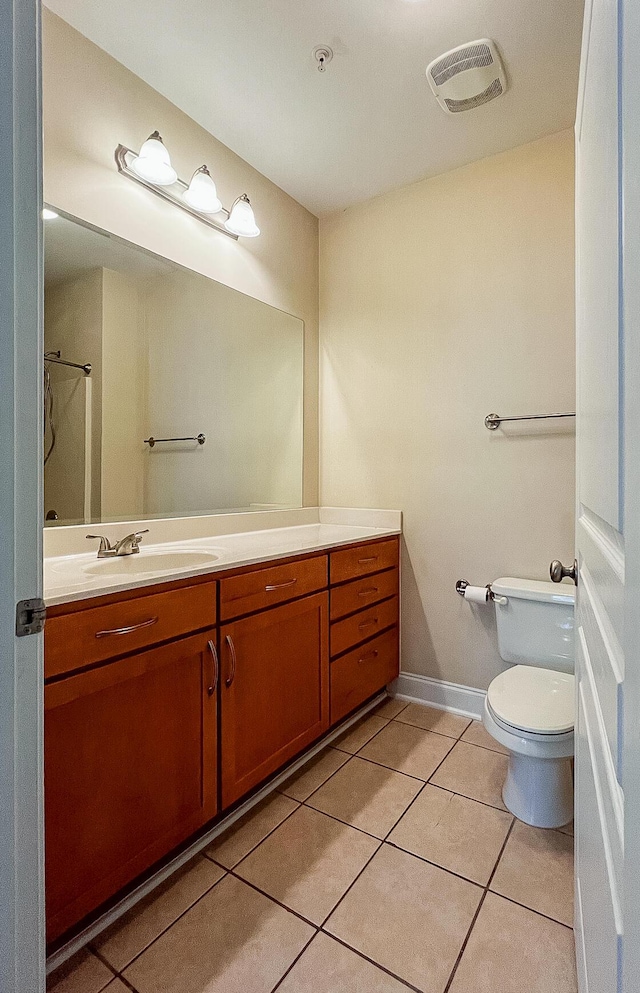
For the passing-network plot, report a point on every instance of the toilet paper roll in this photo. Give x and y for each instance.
(476, 594)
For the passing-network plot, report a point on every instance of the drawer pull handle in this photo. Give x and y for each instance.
(372, 558)
(127, 630)
(280, 586)
(368, 592)
(366, 624)
(369, 657)
(213, 685)
(232, 652)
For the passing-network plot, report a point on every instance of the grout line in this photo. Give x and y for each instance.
(126, 982)
(531, 910)
(387, 721)
(465, 942)
(382, 968)
(164, 930)
(352, 883)
(257, 844)
(295, 961)
(501, 852)
(274, 899)
(101, 958)
(436, 865)
(419, 793)
(472, 799)
(441, 734)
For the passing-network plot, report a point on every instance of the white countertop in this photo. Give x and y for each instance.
(78, 577)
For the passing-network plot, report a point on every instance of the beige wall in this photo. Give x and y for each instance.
(92, 103)
(442, 302)
(124, 391)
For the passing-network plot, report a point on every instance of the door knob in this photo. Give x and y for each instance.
(558, 571)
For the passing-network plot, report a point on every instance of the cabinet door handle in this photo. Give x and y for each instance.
(127, 630)
(372, 558)
(369, 657)
(232, 651)
(213, 685)
(280, 586)
(368, 592)
(366, 624)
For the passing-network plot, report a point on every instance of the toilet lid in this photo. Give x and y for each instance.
(533, 699)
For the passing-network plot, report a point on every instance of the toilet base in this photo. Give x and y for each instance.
(539, 791)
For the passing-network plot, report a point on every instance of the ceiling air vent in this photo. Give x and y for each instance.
(467, 76)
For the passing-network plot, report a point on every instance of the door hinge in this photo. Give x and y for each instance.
(30, 617)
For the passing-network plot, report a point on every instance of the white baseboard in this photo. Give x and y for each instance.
(464, 700)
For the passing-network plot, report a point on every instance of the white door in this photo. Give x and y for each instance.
(608, 502)
(21, 876)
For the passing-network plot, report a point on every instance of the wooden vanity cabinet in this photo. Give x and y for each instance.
(274, 690)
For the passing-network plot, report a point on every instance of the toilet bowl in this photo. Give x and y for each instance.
(529, 708)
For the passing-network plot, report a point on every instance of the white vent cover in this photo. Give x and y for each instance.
(467, 76)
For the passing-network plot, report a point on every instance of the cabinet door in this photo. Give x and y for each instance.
(274, 690)
(130, 770)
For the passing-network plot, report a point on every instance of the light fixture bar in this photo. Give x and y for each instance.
(124, 156)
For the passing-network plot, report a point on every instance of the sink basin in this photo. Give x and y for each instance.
(147, 563)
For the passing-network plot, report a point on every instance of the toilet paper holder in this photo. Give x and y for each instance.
(461, 585)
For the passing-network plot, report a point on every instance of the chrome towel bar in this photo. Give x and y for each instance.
(200, 438)
(493, 421)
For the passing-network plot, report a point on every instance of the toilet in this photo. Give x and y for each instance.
(530, 707)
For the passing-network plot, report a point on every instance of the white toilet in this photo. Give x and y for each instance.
(530, 708)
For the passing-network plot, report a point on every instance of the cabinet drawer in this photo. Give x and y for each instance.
(363, 672)
(362, 593)
(263, 588)
(363, 559)
(352, 630)
(83, 637)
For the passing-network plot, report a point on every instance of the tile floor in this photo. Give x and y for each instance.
(388, 863)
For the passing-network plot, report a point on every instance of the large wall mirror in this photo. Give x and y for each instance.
(139, 350)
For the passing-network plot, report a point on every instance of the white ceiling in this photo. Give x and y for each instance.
(244, 70)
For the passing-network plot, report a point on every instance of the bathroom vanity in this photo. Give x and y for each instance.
(169, 700)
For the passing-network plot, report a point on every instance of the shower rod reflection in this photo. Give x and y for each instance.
(55, 357)
(493, 421)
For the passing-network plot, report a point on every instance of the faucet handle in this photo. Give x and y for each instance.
(105, 545)
(136, 537)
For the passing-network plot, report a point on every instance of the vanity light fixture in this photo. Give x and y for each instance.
(151, 167)
(241, 221)
(202, 194)
(153, 163)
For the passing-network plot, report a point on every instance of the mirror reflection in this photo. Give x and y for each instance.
(166, 392)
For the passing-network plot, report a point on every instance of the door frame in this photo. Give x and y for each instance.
(22, 953)
(629, 208)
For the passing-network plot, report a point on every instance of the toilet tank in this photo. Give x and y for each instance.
(535, 625)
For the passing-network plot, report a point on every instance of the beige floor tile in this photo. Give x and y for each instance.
(309, 862)
(432, 719)
(408, 916)
(84, 973)
(234, 940)
(513, 950)
(389, 708)
(232, 846)
(142, 925)
(302, 784)
(536, 869)
(326, 966)
(454, 832)
(367, 796)
(358, 735)
(476, 734)
(117, 986)
(408, 749)
(474, 772)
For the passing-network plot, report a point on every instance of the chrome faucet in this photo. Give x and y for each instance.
(129, 545)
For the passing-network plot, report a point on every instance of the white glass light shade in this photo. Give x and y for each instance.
(202, 194)
(153, 162)
(241, 220)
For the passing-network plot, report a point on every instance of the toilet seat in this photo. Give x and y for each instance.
(534, 701)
